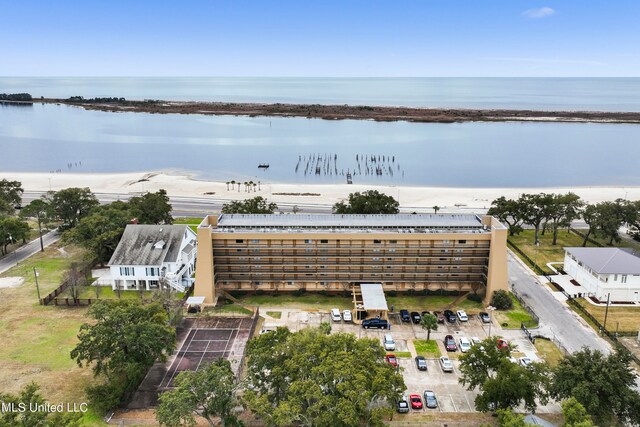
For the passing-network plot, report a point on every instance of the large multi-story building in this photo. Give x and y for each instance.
(332, 253)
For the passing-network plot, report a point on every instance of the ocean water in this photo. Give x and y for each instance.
(43, 138)
(601, 94)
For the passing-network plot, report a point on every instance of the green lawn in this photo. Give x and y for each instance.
(548, 351)
(403, 354)
(227, 309)
(626, 319)
(274, 314)
(305, 301)
(188, 220)
(427, 348)
(514, 317)
(432, 302)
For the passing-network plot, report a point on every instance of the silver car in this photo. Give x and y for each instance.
(445, 364)
(388, 342)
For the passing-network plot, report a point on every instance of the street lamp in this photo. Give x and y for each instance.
(36, 274)
(490, 309)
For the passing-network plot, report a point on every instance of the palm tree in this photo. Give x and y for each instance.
(228, 182)
(233, 184)
(436, 209)
(250, 186)
(429, 322)
(258, 185)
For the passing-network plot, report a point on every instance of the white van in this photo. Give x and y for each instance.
(335, 315)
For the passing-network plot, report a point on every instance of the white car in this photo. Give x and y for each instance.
(346, 316)
(525, 361)
(462, 316)
(335, 315)
(446, 364)
(388, 342)
(465, 344)
(475, 340)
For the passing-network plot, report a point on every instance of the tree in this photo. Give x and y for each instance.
(611, 216)
(10, 196)
(309, 378)
(436, 208)
(208, 393)
(29, 395)
(575, 415)
(508, 211)
(429, 322)
(502, 383)
(256, 205)
(368, 202)
(152, 208)
(100, 232)
(72, 204)
(122, 342)
(501, 300)
(536, 208)
(604, 385)
(564, 209)
(590, 216)
(12, 230)
(39, 209)
(507, 418)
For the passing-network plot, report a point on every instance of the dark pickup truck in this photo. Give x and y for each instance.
(375, 323)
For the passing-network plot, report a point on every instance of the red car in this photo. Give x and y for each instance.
(416, 401)
(391, 359)
(502, 344)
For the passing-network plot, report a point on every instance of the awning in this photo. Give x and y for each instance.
(195, 301)
(373, 296)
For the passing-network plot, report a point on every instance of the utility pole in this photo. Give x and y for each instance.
(35, 274)
(606, 313)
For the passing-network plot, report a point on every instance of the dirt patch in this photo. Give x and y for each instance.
(11, 282)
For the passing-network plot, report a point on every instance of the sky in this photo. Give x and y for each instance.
(325, 38)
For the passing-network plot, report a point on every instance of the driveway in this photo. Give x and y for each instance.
(556, 318)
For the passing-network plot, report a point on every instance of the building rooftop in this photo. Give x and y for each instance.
(607, 260)
(149, 244)
(334, 223)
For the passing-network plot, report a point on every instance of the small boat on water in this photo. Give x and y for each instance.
(263, 166)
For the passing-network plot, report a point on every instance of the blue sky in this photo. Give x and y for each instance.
(321, 38)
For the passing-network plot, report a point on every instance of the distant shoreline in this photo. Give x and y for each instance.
(351, 112)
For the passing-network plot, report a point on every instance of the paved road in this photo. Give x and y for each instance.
(555, 315)
(27, 250)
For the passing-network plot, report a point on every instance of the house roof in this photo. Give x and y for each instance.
(149, 244)
(373, 296)
(607, 260)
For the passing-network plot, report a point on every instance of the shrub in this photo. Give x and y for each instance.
(299, 292)
(474, 297)
(502, 300)
(325, 327)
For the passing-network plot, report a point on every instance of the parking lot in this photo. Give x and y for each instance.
(451, 395)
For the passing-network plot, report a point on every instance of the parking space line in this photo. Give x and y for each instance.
(469, 404)
(453, 403)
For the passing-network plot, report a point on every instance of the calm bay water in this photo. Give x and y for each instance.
(42, 138)
(602, 94)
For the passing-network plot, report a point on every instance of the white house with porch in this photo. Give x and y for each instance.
(150, 255)
(604, 271)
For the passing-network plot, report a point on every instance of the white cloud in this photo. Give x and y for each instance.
(538, 13)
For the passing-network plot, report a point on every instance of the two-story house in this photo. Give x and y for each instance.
(150, 255)
(604, 271)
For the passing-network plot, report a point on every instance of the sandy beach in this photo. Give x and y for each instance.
(410, 197)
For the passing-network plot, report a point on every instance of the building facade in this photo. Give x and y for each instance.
(149, 255)
(605, 272)
(334, 252)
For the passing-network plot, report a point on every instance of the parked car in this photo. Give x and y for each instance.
(450, 316)
(475, 340)
(439, 316)
(424, 313)
(375, 323)
(416, 401)
(502, 344)
(430, 399)
(335, 315)
(388, 342)
(415, 317)
(525, 361)
(346, 316)
(484, 317)
(465, 344)
(446, 364)
(450, 343)
(403, 405)
(421, 363)
(462, 315)
(391, 359)
(404, 316)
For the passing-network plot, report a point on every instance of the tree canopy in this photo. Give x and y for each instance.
(502, 383)
(208, 393)
(604, 385)
(311, 378)
(368, 202)
(152, 208)
(41, 211)
(12, 230)
(10, 196)
(72, 204)
(255, 205)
